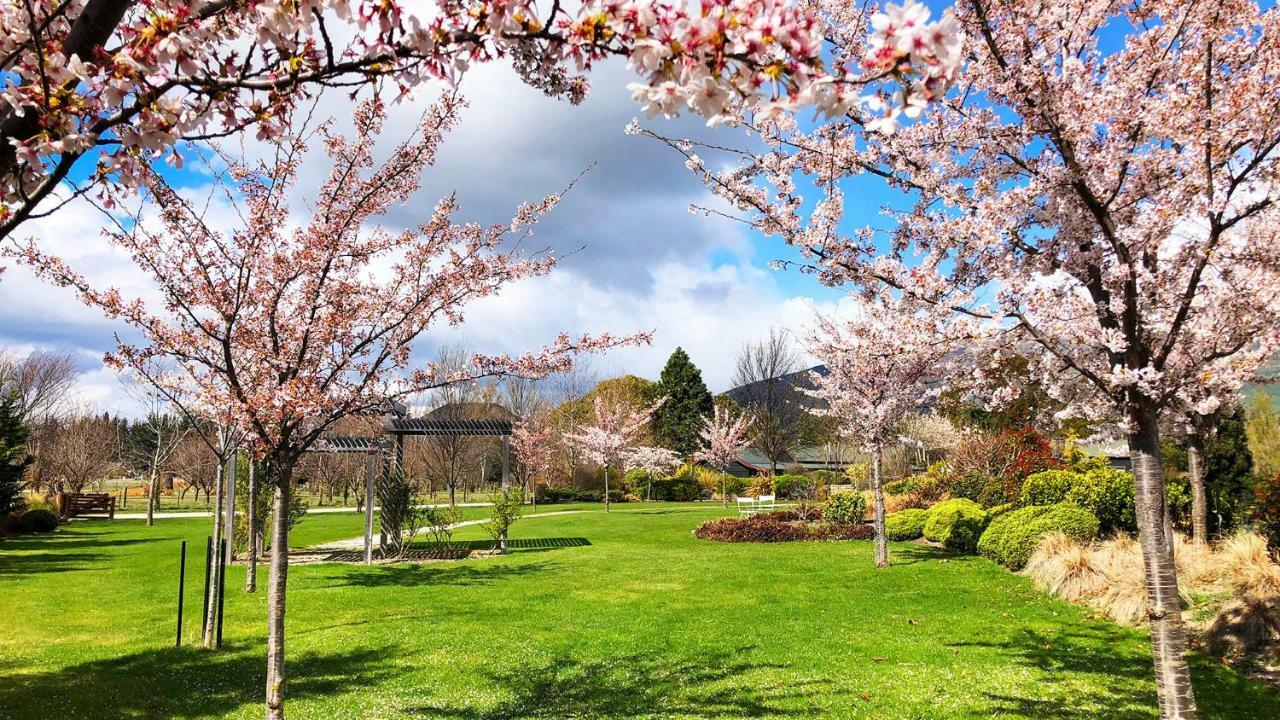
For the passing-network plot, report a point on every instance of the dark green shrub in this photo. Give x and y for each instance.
(959, 517)
(969, 487)
(10, 524)
(1049, 487)
(828, 477)
(1012, 537)
(793, 487)
(905, 524)
(845, 508)
(39, 521)
(560, 494)
(677, 488)
(1108, 494)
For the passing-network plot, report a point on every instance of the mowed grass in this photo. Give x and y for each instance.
(623, 615)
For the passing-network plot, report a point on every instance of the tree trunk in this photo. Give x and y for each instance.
(151, 500)
(251, 572)
(877, 490)
(724, 495)
(277, 579)
(211, 613)
(1199, 501)
(606, 488)
(1168, 634)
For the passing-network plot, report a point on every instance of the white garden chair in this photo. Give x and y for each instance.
(746, 506)
(766, 503)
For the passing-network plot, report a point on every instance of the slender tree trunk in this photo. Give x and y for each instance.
(1168, 634)
(606, 488)
(1199, 501)
(151, 500)
(877, 491)
(277, 580)
(212, 611)
(251, 573)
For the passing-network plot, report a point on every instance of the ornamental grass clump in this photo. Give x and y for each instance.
(1065, 567)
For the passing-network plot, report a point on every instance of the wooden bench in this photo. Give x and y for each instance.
(76, 504)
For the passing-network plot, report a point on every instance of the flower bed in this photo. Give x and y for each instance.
(778, 527)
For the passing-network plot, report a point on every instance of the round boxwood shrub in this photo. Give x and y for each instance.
(958, 517)
(1107, 493)
(39, 521)
(845, 508)
(1012, 537)
(1049, 487)
(905, 524)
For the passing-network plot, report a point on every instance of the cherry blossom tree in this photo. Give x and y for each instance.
(652, 460)
(881, 366)
(97, 90)
(533, 440)
(723, 439)
(286, 329)
(617, 427)
(1099, 167)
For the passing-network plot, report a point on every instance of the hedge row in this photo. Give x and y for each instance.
(777, 527)
(1005, 534)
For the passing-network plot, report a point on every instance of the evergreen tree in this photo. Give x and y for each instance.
(678, 420)
(1263, 429)
(1228, 472)
(14, 459)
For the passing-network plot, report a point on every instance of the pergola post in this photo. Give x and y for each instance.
(506, 462)
(370, 472)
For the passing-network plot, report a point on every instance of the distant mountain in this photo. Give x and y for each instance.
(1272, 371)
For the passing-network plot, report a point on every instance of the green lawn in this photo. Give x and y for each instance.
(593, 616)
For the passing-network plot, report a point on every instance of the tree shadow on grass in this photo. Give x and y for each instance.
(1119, 679)
(181, 683)
(648, 685)
(461, 574)
(912, 553)
(55, 552)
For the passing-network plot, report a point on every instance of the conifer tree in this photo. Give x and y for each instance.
(678, 421)
(14, 459)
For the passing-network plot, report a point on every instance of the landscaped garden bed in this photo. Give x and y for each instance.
(780, 526)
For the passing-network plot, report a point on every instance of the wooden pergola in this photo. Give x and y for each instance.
(379, 450)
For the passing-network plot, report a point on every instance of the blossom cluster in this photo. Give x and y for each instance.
(723, 438)
(131, 86)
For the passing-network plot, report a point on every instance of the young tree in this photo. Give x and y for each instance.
(1099, 166)
(14, 457)
(723, 439)
(688, 403)
(879, 367)
(616, 427)
(652, 460)
(1263, 431)
(533, 442)
(765, 388)
(150, 446)
(286, 329)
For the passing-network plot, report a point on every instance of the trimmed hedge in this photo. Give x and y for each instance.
(550, 494)
(845, 508)
(677, 488)
(905, 524)
(1104, 491)
(1012, 537)
(1048, 487)
(956, 523)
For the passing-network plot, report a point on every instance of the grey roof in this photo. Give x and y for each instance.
(459, 426)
